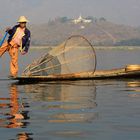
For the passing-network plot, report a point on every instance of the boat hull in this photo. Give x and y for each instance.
(98, 75)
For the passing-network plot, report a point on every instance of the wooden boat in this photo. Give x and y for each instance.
(75, 59)
(130, 71)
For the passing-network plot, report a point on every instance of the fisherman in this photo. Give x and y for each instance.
(19, 38)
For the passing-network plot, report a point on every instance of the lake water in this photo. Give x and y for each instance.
(72, 110)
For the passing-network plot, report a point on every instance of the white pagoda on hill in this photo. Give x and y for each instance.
(81, 20)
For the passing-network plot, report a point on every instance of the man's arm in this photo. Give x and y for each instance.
(26, 42)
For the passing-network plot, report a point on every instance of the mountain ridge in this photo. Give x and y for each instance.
(99, 32)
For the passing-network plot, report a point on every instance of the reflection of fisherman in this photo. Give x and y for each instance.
(19, 38)
(15, 116)
(24, 136)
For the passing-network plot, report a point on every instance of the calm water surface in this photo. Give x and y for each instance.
(80, 110)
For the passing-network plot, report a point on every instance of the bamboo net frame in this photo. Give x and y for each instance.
(75, 55)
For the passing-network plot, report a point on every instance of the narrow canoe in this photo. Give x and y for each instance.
(128, 72)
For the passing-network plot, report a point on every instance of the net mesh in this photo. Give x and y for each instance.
(75, 55)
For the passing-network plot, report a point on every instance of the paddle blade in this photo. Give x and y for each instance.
(3, 39)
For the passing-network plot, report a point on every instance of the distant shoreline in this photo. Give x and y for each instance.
(96, 47)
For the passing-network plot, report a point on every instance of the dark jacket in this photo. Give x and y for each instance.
(25, 40)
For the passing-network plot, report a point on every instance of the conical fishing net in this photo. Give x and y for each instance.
(75, 55)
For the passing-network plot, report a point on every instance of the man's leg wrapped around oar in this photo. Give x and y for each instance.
(12, 48)
(13, 52)
(4, 48)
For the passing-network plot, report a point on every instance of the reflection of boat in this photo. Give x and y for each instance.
(134, 84)
(131, 71)
(134, 88)
(69, 118)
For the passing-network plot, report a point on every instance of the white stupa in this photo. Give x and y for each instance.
(81, 20)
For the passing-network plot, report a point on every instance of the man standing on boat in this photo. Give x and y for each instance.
(19, 38)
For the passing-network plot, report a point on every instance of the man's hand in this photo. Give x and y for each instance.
(8, 29)
(23, 52)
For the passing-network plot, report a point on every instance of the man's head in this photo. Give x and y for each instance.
(22, 21)
(22, 24)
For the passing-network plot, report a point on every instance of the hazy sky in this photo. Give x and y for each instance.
(119, 11)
